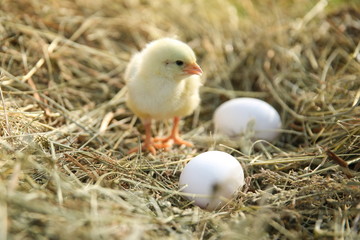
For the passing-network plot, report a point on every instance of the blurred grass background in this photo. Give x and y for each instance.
(65, 130)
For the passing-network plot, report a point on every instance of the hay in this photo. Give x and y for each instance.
(65, 130)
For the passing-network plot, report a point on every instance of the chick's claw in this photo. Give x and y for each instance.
(151, 147)
(174, 140)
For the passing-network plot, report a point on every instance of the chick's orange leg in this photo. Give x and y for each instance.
(149, 143)
(174, 135)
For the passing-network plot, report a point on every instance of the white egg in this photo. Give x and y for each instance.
(235, 117)
(211, 178)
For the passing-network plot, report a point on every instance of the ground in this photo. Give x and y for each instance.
(66, 131)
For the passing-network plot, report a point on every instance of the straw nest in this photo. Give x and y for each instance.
(65, 129)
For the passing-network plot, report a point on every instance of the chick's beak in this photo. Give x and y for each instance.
(193, 68)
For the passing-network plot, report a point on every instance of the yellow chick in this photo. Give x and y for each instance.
(163, 82)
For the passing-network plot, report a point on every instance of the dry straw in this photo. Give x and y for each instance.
(65, 130)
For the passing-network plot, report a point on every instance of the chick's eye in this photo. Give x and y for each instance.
(179, 63)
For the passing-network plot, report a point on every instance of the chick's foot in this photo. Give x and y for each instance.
(173, 140)
(174, 137)
(151, 146)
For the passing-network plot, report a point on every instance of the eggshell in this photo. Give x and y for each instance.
(233, 117)
(213, 177)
